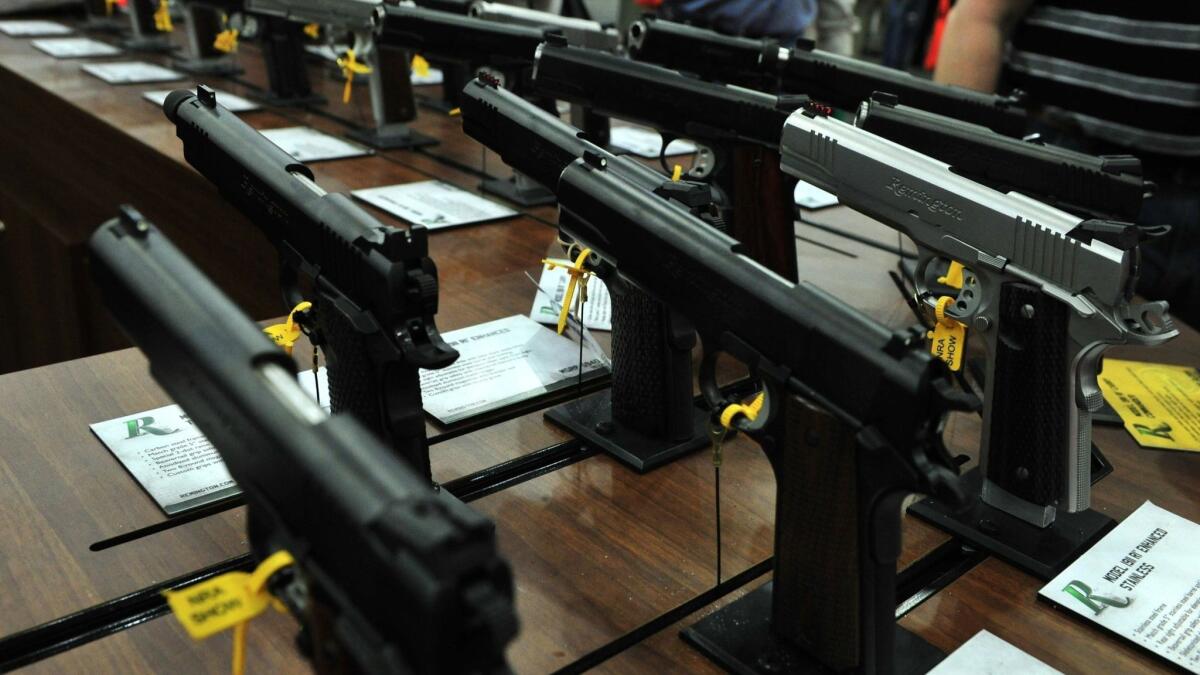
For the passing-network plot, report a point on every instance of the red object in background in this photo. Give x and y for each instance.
(648, 3)
(935, 36)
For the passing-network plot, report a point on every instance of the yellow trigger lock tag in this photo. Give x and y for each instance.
(226, 41)
(954, 275)
(454, 112)
(312, 30)
(286, 334)
(750, 410)
(677, 173)
(579, 277)
(162, 17)
(420, 66)
(350, 67)
(948, 337)
(222, 602)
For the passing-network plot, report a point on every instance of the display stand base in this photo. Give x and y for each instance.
(288, 102)
(507, 188)
(1042, 552)
(435, 104)
(105, 24)
(590, 418)
(392, 137)
(220, 67)
(739, 639)
(148, 45)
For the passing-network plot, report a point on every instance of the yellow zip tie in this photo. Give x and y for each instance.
(947, 340)
(162, 17)
(677, 173)
(238, 667)
(226, 41)
(312, 30)
(954, 275)
(285, 334)
(420, 66)
(750, 410)
(226, 601)
(351, 67)
(454, 112)
(579, 276)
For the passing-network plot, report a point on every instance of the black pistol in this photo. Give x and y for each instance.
(391, 576)
(375, 287)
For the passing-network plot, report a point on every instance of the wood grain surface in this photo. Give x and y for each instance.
(596, 549)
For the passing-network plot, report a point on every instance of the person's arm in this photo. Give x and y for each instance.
(973, 44)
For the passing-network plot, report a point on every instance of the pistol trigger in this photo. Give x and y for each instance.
(662, 151)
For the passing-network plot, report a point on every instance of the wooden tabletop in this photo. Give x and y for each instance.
(596, 549)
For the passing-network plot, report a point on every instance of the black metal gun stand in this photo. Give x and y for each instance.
(1030, 394)
(145, 36)
(392, 102)
(203, 23)
(648, 417)
(98, 18)
(831, 606)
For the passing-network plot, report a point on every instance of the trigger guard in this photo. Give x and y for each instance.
(289, 286)
(765, 415)
(708, 382)
(662, 152)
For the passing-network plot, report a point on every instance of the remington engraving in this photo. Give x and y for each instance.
(923, 198)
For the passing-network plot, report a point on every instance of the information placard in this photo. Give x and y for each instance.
(165, 452)
(1142, 582)
(646, 142)
(74, 48)
(501, 363)
(306, 144)
(132, 72)
(552, 289)
(986, 654)
(33, 28)
(434, 204)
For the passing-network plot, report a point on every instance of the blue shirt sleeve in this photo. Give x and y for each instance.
(781, 19)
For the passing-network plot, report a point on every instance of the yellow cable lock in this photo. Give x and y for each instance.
(420, 66)
(285, 334)
(350, 67)
(677, 173)
(954, 275)
(162, 17)
(579, 277)
(948, 337)
(312, 30)
(750, 410)
(230, 600)
(226, 41)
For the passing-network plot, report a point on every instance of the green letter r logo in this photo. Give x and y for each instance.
(1097, 603)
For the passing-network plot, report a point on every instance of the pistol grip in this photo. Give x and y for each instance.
(819, 547)
(385, 397)
(283, 52)
(1029, 408)
(391, 88)
(651, 367)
